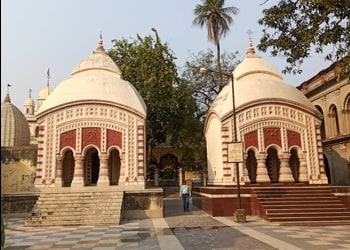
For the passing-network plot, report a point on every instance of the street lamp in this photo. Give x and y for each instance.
(240, 213)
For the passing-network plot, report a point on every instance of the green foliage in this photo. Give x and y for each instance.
(187, 129)
(205, 87)
(215, 17)
(149, 65)
(295, 28)
(217, 20)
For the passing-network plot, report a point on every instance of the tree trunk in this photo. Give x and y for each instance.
(218, 61)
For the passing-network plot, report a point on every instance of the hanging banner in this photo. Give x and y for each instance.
(235, 152)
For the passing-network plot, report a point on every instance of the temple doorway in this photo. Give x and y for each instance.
(251, 166)
(68, 164)
(326, 168)
(92, 167)
(294, 164)
(114, 167)
(168, 171)
(273, 165)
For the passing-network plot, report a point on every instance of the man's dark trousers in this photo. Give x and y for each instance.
(186, 202)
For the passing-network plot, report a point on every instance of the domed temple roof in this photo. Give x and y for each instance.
(14, 126)
(256, 80)
(96, 78)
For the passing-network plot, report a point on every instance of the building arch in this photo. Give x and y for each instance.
(323, 127)
(251, 164)
(346, 113)
(273, 162)
(91, 165)
(168, 169)
(333, 121)
(327, 168)
(68, 166)
(114, 165)
(294, 163)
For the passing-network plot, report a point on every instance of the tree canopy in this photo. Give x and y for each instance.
(149, 65)
(217, 20)
(205, 87)
(297, 28)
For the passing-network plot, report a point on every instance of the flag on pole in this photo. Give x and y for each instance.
(48, 73)
(9, 85)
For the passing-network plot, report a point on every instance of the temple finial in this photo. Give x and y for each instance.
(7, 97)
(250, 49)
(48, 77)
(8, 88)
(100, 48)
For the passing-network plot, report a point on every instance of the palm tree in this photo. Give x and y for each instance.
(217, 19)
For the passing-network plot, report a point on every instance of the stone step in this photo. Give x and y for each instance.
(81, 208)
(76, 207)
(74, 217)
(309, 218)
(291, 192)
(307, 209)
(300, 205)
(62, 222)
(312, 223)
(291, 205)
(81, 197)
(68, 213)
(301, 195)
(301, 202)
(70, 203)
(308, 214)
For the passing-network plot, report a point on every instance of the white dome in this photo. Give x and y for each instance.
(29, 102)
(14, 126)
(96, 78)
(44, 93)
(256, 80)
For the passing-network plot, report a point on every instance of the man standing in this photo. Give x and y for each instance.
(185, 193)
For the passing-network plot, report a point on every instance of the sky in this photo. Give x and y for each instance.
(38, 35)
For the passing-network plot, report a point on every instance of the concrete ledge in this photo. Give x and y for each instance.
(143, 204)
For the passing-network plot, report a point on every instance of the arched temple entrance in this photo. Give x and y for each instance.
(326, 168)
(251, 166)
(272, 165)
(168, 169)
(114, 167)
(294, 164)
(68, 164)
(91, 167)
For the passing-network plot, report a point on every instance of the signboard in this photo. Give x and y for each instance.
(235, 152)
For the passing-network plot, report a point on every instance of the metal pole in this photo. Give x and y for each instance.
(234, 138)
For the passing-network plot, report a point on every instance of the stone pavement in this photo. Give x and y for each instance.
(177, 230)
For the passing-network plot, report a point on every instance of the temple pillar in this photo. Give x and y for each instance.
(78, 178)
(285, 173)
(180, 177)
(103, 179)
(261, 170)
(205, 176)
(245, 170)
(303, 176)
(58, 177)
(156, 177)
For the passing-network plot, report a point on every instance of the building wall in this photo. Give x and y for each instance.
(84, 126)
(18, 169)
(329, 91)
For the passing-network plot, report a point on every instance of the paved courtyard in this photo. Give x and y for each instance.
(178, 230)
